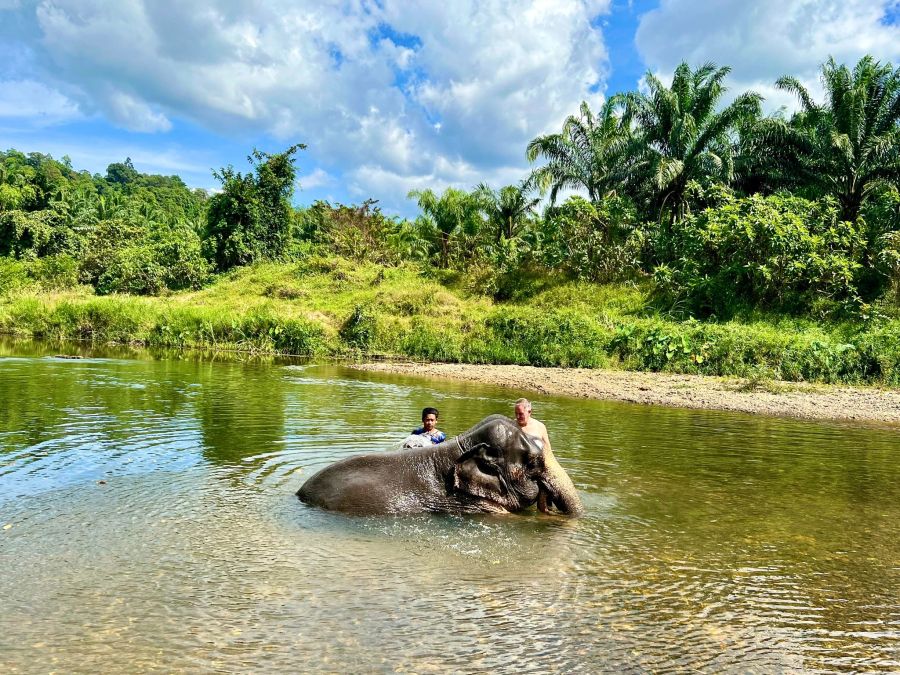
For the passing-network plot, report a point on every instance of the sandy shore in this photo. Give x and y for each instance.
(786, 399)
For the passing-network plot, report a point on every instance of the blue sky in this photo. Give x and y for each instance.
(389, 96)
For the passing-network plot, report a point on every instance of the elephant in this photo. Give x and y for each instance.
(492, 468)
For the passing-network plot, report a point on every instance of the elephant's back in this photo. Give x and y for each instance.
(361, 485)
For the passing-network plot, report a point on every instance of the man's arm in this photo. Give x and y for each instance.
(546, 439)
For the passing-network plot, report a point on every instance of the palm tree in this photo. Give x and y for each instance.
(681, 135)
(587, 154)
(151, 214)
(454, 211)
(110, 205)
(849, 145)
(508, 208)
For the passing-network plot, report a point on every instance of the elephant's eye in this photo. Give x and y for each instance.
(487, 467)
(535, 464)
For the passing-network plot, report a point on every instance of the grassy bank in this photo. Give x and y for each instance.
(327, 307)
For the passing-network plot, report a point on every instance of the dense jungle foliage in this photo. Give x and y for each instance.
(715, 216)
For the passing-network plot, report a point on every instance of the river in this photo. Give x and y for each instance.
(149, 523)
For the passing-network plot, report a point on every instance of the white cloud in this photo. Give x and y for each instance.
(134, 114)
(318, 178)
(500, 73)
(765, 39)
(375, 88)
(35, 103)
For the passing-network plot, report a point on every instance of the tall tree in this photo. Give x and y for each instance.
(508, 208)
(122, 173)
(848, 145)
(454, 211)
(588, 154)
(251, 217)
(683, 135)
(275, 180)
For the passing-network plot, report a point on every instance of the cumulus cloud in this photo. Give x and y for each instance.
(392, 95)
(135, 114)
(452, 91)
(317, 178)
(500, 73)
(765, 39)
(35, 103)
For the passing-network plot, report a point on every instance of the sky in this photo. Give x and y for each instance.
(388, 96)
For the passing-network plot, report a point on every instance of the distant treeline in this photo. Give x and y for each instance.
(728, 210)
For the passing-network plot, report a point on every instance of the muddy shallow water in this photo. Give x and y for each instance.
(149, 523)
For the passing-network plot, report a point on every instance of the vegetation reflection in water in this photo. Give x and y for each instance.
(150, 523)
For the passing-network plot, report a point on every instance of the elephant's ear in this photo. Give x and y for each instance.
(478, 472)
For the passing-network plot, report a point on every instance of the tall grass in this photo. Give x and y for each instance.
(331, 307)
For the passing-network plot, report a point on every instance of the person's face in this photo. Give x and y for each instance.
(523, 414)
(429, 421)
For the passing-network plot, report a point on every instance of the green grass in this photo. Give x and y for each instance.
(330, 307)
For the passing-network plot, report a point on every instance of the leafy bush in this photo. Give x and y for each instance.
(122, 257)
(96, 319)
(133, 270)
(795, 353)
(267, 332)
(24, 234)
(556, 338)
(889, 262)
(881, 346)
(251, 218)
(776, 252)
(13, 274)
(178, 250)
(431, 340)
(593, 241)
(360, 329)
(507, 269)
(55, 272)
(363, 232)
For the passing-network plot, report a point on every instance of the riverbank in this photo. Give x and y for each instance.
(764, 397)
(329, 307)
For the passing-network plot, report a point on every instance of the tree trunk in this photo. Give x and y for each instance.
(445, 249)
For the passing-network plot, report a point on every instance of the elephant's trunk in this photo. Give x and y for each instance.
(557, 489)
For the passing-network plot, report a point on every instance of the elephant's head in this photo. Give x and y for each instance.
(504, 467)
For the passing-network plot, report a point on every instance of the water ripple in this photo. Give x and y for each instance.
(152, 526)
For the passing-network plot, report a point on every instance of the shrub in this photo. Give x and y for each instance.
(888, 262)
(429, 340)
(776, 252)
(13, 274)
(556, 338)
(360, 329)
(505, 270)
(123, 257)
(55, 272)
(251, 218)
(133, 269)
(598, 242)
(363, 232)
(26, 234)
(178, 251)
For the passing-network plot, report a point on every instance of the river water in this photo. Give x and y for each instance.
(149, 524)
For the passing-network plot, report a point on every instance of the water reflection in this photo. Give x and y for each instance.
(152, 526)
(241, 414)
